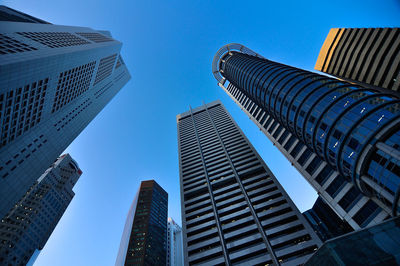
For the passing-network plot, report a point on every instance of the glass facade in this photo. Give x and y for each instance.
(344, 124)
(145, 242)
(377, 245)
(325, 221)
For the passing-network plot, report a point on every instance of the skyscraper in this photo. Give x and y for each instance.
(342, 137)
(144, 237)
(370, 56)
(25, 229)
(234, 211)
(53, 81)
(174, 244)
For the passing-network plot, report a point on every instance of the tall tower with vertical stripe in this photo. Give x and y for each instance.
(234, 211)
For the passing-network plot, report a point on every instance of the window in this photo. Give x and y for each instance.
(304, 157)
(95, 37)
(349, 199)
(105, 68)
(324, 175)
(366, 213)
(334, 188)
(21, 109)
(289, 143)
(10, 46)
(313, 165)
(72, 83)
(54, 39)
(296, 149)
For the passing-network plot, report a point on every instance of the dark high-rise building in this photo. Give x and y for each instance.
(54, 80)
(370, 56)
(25, 229)
(325, 222)
(9, 14)
(234, 211)
(343, 138)
(144, 240)
(376, 245)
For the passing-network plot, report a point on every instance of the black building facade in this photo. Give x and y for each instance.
(144, 239)
(234, 211)
(354, 130)
(325, 222)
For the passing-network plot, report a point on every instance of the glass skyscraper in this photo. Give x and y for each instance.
(53, 81)
(144, 239)
(234, 211)
(342, 137)
(25, 229)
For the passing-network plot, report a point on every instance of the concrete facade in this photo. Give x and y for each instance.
(234, 211)
(174, 244)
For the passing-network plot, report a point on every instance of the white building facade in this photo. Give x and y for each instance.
(174, 242)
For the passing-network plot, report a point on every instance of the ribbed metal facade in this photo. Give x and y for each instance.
(234, 211)
(353, 129)
(366, 55)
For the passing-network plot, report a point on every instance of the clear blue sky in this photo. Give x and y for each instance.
(168, 47)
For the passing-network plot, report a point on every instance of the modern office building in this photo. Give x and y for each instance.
(234, 211)
(53, 81)
(343, 138)
(174, 244)
(25, 229)
(144, 239)
(369, 56)
(376, 245)
(325, 222)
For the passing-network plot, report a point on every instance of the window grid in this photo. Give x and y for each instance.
(21, 109)
(54, 39)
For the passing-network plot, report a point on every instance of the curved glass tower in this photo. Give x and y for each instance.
(355, 130)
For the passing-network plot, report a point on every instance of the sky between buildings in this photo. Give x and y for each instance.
(168, 48)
